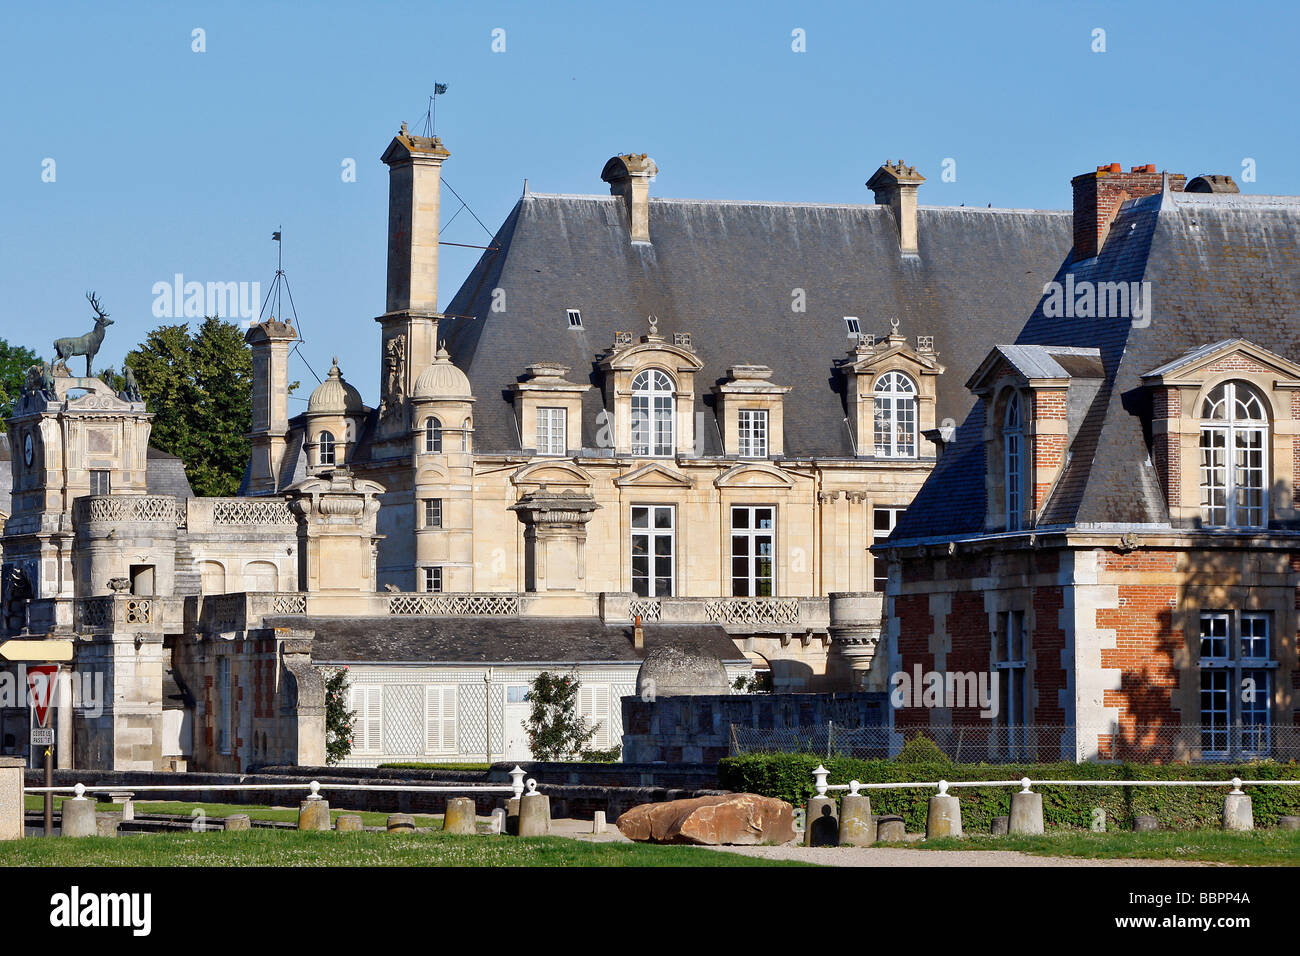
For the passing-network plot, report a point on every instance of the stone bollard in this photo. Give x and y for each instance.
(534, 814)
(823, 828)
(512, 816)
(128, 810)
(401, 823)
(855, 820)
(598, 821)
(499, 820)
(1026, 811)
(106, 824)
(1145, 824)
(890, 829)
(1237, 811)
(1000, 826)
(237, 823)
(314, 814)
(349, 823)
(11, 798)
(1288, 823)
(459, 816)
(943, 818)
(77, 816)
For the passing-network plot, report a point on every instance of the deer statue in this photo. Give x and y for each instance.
(88, 344)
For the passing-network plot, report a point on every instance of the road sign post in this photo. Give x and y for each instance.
(41, 679)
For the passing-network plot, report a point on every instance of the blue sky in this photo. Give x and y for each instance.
(167, 160)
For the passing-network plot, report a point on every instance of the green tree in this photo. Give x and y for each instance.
(14, 363)
(200, 388)
(339, 719)
(556, 731)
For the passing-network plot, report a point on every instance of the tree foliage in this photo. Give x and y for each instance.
(199, 386)
(15, 360)
(339, 719)
(555, 728)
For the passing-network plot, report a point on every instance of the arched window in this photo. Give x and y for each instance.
(895, 414)
(652, 414)
(1013, 440)
(1234, 461)
(326, 450)
(465, 429)
(432, 436)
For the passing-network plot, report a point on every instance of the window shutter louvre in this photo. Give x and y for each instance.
(432, 719)
(449, 719)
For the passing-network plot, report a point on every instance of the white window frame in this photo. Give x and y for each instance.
(431, 579)
(894, 415)
(441, 719)
(1231, 436)
(654, 413)
(879, 580)
(753, 537)
(575, 318)
(751, 432)
(1235, 646)
(552, 428)
(432, 435)
(1011, 661)
(326, 449)
(1013, 439)
(852, 326)
(433, 512)
(652, 533)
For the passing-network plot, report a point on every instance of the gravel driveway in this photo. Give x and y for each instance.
(899, 856)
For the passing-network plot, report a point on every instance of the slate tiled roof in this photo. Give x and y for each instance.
(1220, 267)
(165, 475)
(506, 640)
(726, 272)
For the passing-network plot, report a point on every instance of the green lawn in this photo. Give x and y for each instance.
(1256, 848)
(217, 810)
(330, 848)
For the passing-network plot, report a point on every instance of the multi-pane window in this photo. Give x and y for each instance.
(883, 522)
(432, 580)
(1234, 472)
(752, 430)
(101, 482)
(1010, 655)
(895, 416)
(225, 698)
(753, 545)
(652, 414)
(552, 425)
(326, 448)
(432, 436)
(1013, 440)
(852, 326)
(575, 318)
(465, 428)
(653, 532)
(433, 512)
(1236, 669)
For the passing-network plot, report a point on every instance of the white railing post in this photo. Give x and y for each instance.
(1024, 785)
(80, 791)
(819, 776)
(517, 781)
(315, 791)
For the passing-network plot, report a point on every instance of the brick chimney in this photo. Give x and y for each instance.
(629, 176)
(638, 634)
(895, 186)
(1098, 196)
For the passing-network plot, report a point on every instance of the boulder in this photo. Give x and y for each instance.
(729, 819)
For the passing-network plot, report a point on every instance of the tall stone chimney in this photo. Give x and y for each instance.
(895, 186)
(410, 319)
(629, 176)
(1098, 196)
(270, 342)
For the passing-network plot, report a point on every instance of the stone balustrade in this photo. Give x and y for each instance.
(215, 515)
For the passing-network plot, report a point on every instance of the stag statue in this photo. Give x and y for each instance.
(88, 344)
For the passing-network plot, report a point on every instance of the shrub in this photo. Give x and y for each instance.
(612, 755)
(921, 749)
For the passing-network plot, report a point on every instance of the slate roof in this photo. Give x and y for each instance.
(726, 272)
(1220, 267)
(165, 475)
(499, 640)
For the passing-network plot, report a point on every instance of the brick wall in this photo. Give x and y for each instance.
(968, 631)
(915, 628)
(1098, 196)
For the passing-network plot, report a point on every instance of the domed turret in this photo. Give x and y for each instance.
(441, 380)
(335, 396)
(672, 672)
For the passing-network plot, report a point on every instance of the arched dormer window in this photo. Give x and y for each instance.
(1013, 442)
(652, 414)
(325, 451)
(432, 436)
(895, 416)
(465, 429)
(1234, 458)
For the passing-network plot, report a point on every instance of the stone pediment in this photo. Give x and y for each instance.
(753, 476)
(654, 475)
(1238, 355)
(555, 473)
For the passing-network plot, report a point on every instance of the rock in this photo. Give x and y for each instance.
(733, 819)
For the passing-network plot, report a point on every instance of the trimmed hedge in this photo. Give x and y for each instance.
(789, 777)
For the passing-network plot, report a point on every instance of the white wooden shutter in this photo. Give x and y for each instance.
(365, 731)
(593, 704)
(449, 719)
(440, 719)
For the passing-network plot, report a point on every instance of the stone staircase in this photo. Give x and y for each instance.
(188, 579)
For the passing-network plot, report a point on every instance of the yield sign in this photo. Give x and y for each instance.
(40, 682)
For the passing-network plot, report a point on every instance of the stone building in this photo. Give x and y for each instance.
(697, 414)
(1113, 530)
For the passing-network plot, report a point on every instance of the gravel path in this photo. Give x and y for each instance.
(899, 856)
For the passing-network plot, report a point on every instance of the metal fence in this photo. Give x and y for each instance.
(988, 743)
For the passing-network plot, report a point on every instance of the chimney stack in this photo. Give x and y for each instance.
(1098, 196)
(629, 176)
(895, 186)
(270, 342)
(638, 634)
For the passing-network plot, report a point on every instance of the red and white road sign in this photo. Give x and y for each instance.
(40, 682)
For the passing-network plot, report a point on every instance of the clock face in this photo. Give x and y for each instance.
(29, 450)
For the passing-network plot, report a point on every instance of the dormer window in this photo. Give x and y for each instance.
(895, 416)
(1234, 457)
(752, 432)
(852, 326)
(652, 414)
(432, 436)
(575, 318)
(325, 451)
(1013, 440)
